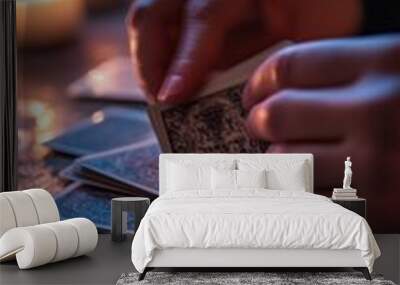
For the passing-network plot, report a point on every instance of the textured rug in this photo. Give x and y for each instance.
(243, 278)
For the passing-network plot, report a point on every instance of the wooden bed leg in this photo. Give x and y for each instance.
(142, 275)
(364, 271)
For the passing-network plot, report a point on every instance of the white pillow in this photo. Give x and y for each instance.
(187, 177)
(223, 179)
(290, 177)
(193, 174)
(281, 174)
(251, 178)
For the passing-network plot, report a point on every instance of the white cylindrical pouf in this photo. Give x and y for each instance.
(33, 246)
(87, 234)
(7, 218)
(67, 240)
(23, 208)
(45, 205)
(40, 244)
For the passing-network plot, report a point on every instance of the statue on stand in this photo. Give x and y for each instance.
(347, 192)
(347, 174)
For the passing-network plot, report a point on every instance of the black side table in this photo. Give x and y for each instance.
(119, 214)
(357, 205)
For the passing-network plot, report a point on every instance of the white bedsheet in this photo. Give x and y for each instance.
(250, 219)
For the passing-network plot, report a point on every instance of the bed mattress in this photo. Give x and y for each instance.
(251, 219)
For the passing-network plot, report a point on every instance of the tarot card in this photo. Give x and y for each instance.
(79, 200)
(75, 173)
(214, 121)
(211, 124)
(112, 80)
(131, 169)
(106, 129)
(135, 166)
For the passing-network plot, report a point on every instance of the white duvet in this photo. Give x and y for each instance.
(250, 219)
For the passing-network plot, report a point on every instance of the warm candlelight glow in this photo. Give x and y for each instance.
(98, 117)
(43, 116)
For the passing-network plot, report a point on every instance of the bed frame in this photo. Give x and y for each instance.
(245, 259)
(259, 259)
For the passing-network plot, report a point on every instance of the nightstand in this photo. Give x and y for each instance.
(119, 214)
(357, 205)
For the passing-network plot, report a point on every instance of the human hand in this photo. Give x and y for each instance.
(336, 98)
(175, 44)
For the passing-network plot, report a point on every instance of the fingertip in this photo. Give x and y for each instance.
(171, 89)
(255, 122)
(263, 83)
(265, 79)
(162, 98)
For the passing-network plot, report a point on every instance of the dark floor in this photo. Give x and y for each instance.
(103, 266)
(106, 264)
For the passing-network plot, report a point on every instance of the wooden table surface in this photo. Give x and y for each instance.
(44, 108)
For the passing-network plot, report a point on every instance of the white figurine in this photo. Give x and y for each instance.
(347, 174)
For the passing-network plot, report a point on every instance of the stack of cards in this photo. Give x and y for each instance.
(116, 154)
(131, 170)
(117, 150)
(211, 124)
(213, 121)
(105, 130)
(79, 200)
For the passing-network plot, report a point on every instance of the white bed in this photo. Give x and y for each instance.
(248, 227)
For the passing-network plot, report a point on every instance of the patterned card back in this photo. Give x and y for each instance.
(210, 124)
